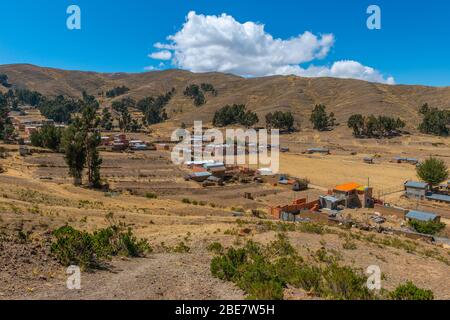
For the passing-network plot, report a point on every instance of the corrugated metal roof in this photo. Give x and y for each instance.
(347, 187)
(421, 216)
(439, 197)
(200, 174)
(318, 150)
(330, 198)
(417, 185)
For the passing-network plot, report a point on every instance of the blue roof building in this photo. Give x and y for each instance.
(416, 185)
(422, 216)
(439, 197)
(416, 190)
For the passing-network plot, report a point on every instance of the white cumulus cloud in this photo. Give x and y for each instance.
(161, 55)
(220, 43)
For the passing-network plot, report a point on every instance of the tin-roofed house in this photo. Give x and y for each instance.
(416, 190)
(348, 195)
(414, 215)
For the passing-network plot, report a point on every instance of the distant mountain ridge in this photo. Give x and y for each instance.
(287, 93)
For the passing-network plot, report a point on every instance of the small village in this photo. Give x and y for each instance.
(335, 206)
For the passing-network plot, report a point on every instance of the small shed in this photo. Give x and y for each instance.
(368, 160)
(318, 150)
(265, 172)
(199, 176)
(422, 216)
(329, 202)
(416, 190)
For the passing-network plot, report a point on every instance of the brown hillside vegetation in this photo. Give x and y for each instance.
(298, 95)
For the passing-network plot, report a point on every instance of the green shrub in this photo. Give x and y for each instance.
(74, 247)
(216, 248)
(225, 266)
(185, 200)
(150, 195)
(309, 227)
(349, 245)
(409, 291)
(264, 271)
(181, 247)
(343, 283)
(429, 227)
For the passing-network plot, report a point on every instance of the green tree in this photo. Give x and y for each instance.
(235, 114)
(49, 136)
(320, 119)
(80, 142)
(106, 121)
(356, 123)
(434, 121)
(4, 112)
(4, 80)
(433, 171)
(280, 120)
(73, 143)
(118, 91)
(9, 134)
(153, 108)
(193, 91)
(90, 124)
(371, 126)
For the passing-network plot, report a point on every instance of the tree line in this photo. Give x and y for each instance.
(154, 107)
(434, 121)
(374, 127)
(117, 91)
(197, 93)
(237, 114)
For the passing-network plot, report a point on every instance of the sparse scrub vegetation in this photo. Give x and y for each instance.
(264, 271)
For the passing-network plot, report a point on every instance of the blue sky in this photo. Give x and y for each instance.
(413, 45)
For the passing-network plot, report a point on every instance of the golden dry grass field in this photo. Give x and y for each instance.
(36, 197)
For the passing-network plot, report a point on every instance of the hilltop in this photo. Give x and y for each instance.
(288, 93)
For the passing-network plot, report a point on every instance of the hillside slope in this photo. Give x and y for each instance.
(298, 95)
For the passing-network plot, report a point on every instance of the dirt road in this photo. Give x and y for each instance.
(160, 276)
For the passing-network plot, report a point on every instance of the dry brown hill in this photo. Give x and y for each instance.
(299, 95)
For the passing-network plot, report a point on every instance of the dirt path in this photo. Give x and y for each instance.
(160, 276)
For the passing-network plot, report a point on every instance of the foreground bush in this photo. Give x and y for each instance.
(409, 291)
(264, 271)
(74, 247)
(429, 227)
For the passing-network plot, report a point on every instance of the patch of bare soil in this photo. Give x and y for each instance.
(25, 264)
